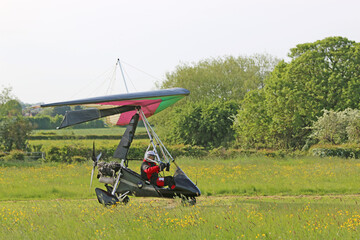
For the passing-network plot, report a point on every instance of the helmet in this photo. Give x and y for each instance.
(148, 154)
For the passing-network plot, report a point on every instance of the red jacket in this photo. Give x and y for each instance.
(149, 171)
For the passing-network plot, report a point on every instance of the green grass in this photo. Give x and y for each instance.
(267, 176)
(211, 218)
(245, 176)
(243, 198)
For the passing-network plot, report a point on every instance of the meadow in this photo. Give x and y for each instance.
(336, 217)
(243, 198)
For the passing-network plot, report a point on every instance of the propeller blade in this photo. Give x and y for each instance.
(92, 175)
(93, 153)
(98, 157)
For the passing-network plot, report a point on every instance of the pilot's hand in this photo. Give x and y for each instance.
(162, 166)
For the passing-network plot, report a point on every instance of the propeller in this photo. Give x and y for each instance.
(95, 160)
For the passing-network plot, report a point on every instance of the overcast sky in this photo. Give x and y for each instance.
(61, 50)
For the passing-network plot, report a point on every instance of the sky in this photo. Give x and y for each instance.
(54, 51)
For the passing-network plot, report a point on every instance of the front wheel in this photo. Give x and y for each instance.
(188, 201)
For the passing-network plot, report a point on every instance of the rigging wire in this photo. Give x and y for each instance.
(109, 79)
(112, 82)
(148, 74)
(87, 85)
(128, 77)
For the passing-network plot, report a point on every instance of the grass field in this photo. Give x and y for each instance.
(212, 218)
(245, 198)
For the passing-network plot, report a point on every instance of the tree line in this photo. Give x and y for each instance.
(255, 101)
(276, 102)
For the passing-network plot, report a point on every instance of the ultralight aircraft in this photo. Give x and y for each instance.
(127, 109)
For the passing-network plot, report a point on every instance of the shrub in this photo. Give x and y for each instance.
(342, 151)
(337, 127)
(15, 155)
(78, 159)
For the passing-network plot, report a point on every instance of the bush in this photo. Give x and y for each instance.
(76, 153)
(342, 151)
(15, 155)
(78, 159)
(337, 127)
(14, 133)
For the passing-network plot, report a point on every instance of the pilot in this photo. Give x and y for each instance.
(150, 171)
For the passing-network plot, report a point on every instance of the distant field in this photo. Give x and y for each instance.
(103, 137)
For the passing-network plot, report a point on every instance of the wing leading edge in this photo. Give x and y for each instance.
(120, 108)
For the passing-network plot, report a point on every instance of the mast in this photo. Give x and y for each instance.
(122, 73)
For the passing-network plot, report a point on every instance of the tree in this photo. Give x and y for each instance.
(60, 110)
(227, 78)
(321, 75)
(215, 85)
(251, 124)
(14, 129)
(14, 133)
(202, 124)
(6, 95)
(11, 108)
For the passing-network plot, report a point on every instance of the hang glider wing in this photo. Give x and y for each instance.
(120, 108)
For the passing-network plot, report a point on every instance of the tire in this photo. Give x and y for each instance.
(126, 200)
(186, 201)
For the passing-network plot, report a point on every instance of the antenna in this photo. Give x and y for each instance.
(122, 73)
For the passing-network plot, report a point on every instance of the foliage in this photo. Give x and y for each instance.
(227, 78)
(336, 151)
(67, 151)
(331, 127)
(15, 155)
(337, 127)
(60, 110)
(251, 124)
(14, 129)
(6, 95)
(203, 124)
(321, 75)
(11, 108)
(222, 81)
(14, 133)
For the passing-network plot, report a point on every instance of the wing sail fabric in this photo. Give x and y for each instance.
(113, 107)
(81, 116)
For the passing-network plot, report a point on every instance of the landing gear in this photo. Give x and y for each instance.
(125, 200)
(107, 198)
(188, 201)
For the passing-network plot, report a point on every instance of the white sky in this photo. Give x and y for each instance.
(61, 50)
